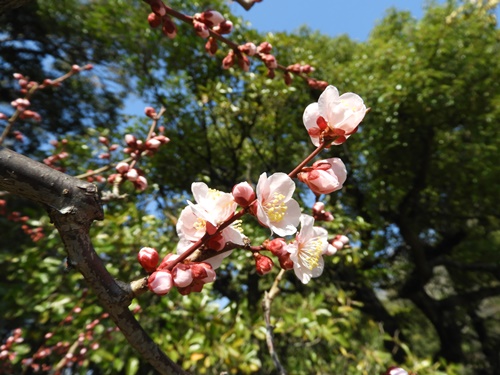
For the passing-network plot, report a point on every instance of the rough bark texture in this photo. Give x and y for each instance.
(73, 205)
(6, 5)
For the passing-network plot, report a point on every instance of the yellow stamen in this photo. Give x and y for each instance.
(275, 207)
(310, 253)
(200, 225)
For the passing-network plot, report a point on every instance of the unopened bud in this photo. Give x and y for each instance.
(183, 276)
(130, 140)
(168, 28)
(154, 20)
(225, 27)
(148, 258)
(229, 60)
(160, 282)
(150, 112)
(132, 174)
(243, 194)
(141, 183)
(211, 18)
(153, 144)
(263, 264)
(248, 48)
(264, 47)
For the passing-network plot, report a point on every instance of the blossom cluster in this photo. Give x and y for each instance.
(209, 228)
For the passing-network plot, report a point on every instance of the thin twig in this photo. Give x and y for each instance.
(266, 306)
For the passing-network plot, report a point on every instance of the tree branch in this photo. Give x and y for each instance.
(73, 205)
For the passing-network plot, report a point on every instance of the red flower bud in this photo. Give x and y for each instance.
(148, 258)
(263, 264)
(154, 20)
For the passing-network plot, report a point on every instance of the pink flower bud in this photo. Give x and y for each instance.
(167, 261)
(3, 116)
(211, 18)
(153, 144)
(158, 7)
(225, 27)
(201, 29)
(18, 76)
(122, 167)
(148, 258)
(325, 176)
(276, 246)
(306, 69)
(150, 112)
(211, 46)
(88, 67)
(264, 47)
(141, 183)
(229, 60)
(270, 61)
(154, 20)
(243, 194)
(211, 276)
(285, 262)
(160, 282)
(319, 213)
(130, 140)
(201, 270)
(263, 264)
(248, 48)
(342, 238)
(287, 78)
(244, 62)
(168, 28)
(132, 174)
(338, 244)
(183, 276)
(75, 68)
(162, 139)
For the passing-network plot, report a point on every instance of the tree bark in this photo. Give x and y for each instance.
(73, 205)
(6, 5)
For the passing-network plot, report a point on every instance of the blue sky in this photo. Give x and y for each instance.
(332, 17)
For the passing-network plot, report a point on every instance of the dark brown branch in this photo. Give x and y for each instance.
(6, 5)
(73, 205)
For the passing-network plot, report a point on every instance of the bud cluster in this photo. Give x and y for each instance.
(59, 154)
(35, 233)
(186, 276)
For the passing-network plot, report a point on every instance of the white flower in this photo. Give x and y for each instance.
(213, 207)
(306, 252)
(275, 207)
(334, 116)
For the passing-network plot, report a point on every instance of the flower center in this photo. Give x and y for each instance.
(275, 207)
(310, 253)
(200, 225)
(213, 194)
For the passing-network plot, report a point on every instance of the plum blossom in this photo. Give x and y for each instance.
(333, 118)
(160, 282)
(307, 250)
(325, 176)
(212, 208)
(276, 208)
